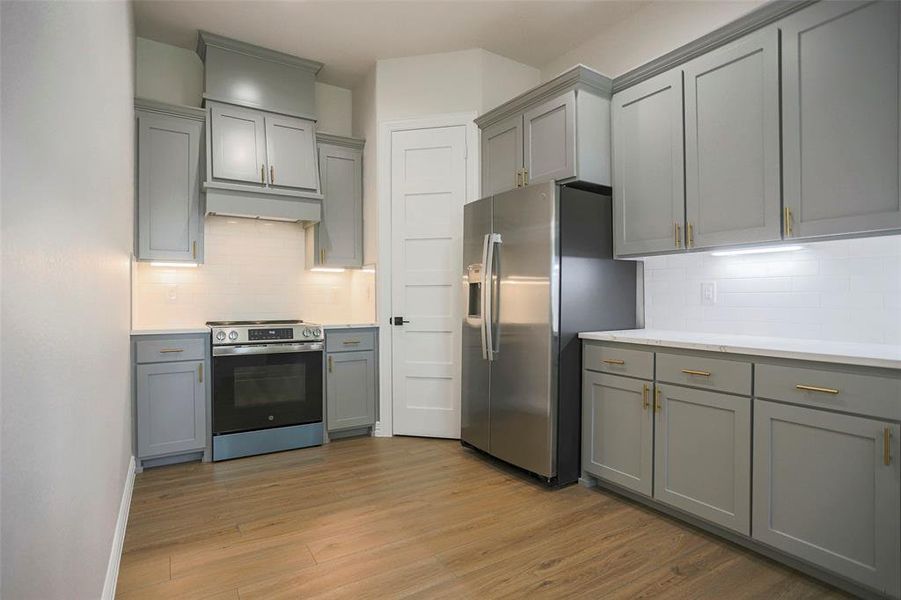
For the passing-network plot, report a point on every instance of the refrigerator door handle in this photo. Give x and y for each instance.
(494, 240)
(485, 295)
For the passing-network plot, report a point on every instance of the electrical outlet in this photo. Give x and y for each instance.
(708, 293)
(172, 293)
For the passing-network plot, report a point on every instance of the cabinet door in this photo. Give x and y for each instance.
(339, 235)
(702, 454)
(617, 430)
(350, 390)
(732, 143)
(291, 152)
(648, 194)
(169, 218)
(171, 408)
(501, 155)
(550, 140)
(828, 490)
(840, 112)
(239, 144)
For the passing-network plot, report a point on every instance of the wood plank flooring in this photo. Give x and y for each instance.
(408, 517)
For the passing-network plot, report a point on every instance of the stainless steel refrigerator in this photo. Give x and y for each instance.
(537, 269)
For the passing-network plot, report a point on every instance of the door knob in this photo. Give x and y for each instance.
(399, 320)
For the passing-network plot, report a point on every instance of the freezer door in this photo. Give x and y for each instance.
(526, 300)
(474, 428)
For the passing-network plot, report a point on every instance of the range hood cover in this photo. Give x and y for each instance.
(239, 203)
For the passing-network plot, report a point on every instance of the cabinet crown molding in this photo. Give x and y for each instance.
(340, 140)
(173, 110)
(578, 77)
(205, 38)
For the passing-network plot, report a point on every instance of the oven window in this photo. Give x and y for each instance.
(261, 391)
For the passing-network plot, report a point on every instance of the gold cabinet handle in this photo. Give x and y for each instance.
(519, 178)
(331, 364)
(350, 342)
(693, 372)
(322, 255)
(171, 350)
(262, 173)
(887, 446)
(657, 405)
(644, 396)
(525, 177)
(677, 235)
(272, 174)
(815, 388)
(194, 248)
(200, 372)
(614, 361)
(691, 237)
(787, 216)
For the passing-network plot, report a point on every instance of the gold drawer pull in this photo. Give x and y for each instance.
(644, 396)
(693, 372)
(614, 361)
(350, 342)
(171, 350)
(813, 388)
(200, 372)
(887, 446)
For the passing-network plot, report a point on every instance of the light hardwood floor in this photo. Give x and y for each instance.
(402, 517)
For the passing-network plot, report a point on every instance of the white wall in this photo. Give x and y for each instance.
(334, 108)
(847, 290)
(67, 206)
(648, 33)
(365, 125)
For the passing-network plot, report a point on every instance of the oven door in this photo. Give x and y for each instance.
(260, 386)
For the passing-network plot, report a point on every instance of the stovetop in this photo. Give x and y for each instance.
(235, 333)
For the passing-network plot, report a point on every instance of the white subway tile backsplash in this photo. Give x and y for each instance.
(845, 290)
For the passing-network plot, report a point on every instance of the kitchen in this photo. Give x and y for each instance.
(356, 314)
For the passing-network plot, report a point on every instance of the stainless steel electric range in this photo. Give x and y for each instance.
(267, 386)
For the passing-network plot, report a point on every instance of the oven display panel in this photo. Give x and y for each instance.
(258, 335)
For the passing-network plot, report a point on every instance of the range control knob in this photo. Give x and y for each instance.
(233, 335)
(317, 332)
(307, 332)
(220, 335)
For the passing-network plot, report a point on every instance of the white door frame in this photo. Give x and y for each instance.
(385, 425)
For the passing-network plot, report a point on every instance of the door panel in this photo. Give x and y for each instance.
(171, 407)
(474, 427)
(823, 492)
(501, 155)
(550, 140)
(648, 195)
(523, 374)
(618, 430)
(340, 233)
(239, 144)
(291, 153)
(350, 390)
(702, 449)
(428, 183)
(169, 218)
(841, 150)
(732, 142)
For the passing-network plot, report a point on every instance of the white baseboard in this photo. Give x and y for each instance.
(112, 569)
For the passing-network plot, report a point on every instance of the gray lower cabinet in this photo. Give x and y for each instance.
(827, 489)
(351, 382)
(648, 173)
(337, 240)
(702, 454)
(171, 408)
(732, 143)
(618, 430)
(841, 69)
(169, 211)
(502, 155)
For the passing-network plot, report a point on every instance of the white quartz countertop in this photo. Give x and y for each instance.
(350, 325)
(868, 355)
(171, 330)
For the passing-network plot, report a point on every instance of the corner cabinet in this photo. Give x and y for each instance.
(169, 220)
(171, 398)
(558, 131)
(337, 240)
(351, 381)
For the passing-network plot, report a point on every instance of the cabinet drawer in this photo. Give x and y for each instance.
(154, 351)
(619, 361)
(348, 341)
(863, 394)
(700, 371)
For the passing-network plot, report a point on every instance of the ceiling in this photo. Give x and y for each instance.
(348, 36)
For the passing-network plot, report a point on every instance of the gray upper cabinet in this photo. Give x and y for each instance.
(170, 218)
(337, 241)
(827, 488)
(732, 143)
(618, 430)
(648, 192)
(171, 408)
(350, 390)
(840, 112)
(291, 152)
(502, 156)
(558, 131)
(238, 144)
(549, 140)
(702, 461)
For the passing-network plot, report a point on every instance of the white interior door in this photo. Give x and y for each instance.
(428, 190)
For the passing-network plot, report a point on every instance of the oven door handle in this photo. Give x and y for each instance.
(266, 349)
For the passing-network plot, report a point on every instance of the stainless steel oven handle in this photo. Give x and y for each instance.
(266, 349)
